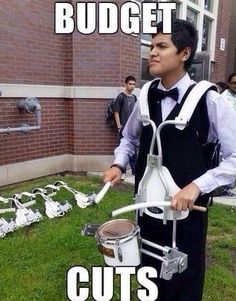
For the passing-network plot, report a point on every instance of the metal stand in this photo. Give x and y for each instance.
(173, 261)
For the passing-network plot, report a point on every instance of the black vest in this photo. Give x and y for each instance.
(182, 149)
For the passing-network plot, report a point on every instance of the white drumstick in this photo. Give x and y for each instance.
(102, 192)
(147, 205)
(138, 206)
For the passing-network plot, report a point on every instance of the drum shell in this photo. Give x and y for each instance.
(122, 251)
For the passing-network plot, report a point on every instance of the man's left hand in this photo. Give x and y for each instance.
(185, 198)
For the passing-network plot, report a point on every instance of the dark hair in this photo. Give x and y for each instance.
(130, 77)
(183, 34)
(231, 76)
(222, 85)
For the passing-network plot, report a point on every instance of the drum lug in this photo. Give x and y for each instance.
(119, 251)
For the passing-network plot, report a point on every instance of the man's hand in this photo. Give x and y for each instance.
(112, 174)
(185, 198)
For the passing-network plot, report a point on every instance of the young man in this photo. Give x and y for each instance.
(230, 93)
(170, 57)
(123, 107)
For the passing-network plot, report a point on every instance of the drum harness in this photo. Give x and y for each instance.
(6, 226)
(25, 216)
(19, 204)
(83, 200)
(157, 180)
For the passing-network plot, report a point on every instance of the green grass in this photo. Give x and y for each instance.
(34, 260)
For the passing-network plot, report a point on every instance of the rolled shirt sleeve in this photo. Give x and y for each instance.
(130, 141)
(223, 127)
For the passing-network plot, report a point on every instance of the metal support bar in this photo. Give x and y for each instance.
(156, 246)
(152, 254)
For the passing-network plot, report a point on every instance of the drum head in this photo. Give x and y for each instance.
(116, 229)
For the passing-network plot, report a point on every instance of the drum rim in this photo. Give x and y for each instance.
(122, 238)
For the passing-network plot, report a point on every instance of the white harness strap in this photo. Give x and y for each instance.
(5, 201)
(144, 109)
(188, 106)
(24, 216)
(191, 102)
(52, 208)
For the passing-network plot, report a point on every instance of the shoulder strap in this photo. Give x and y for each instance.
(144, 109)
(191, 102)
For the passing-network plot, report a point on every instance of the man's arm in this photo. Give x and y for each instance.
(117, 119)
(222, 120)
(127, 148)
(117, 109)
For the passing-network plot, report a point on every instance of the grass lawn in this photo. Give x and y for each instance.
(34, 260)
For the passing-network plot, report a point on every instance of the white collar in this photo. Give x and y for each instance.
(183, 84)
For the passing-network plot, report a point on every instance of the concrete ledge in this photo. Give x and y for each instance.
(51, 91)
(23, 171)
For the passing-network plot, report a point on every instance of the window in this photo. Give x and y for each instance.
(176, 13)
(208, 5)
(192, 16)
(206, 31)
(145, 75)
(202, 13)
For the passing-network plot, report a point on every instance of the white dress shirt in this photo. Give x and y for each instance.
(222, 119)
(230, 97)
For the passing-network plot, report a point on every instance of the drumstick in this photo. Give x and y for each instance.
(102, 192)
(149, 204)
(199, 208)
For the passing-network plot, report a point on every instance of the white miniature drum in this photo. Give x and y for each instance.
(118, 242)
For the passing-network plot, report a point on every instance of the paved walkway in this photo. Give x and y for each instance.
(221, 200)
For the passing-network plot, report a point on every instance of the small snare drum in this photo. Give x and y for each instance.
(118, 242)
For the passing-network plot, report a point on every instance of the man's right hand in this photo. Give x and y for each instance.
(113, 175)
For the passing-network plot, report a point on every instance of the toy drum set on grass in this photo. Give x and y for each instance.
(24, 216)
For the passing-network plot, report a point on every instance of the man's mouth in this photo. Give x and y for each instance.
(153, 63)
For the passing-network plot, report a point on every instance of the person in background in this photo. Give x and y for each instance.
(123, 107)
(221, 86)
(230, 92)
(170, 57)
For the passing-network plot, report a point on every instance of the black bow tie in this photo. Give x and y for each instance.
(160, 94)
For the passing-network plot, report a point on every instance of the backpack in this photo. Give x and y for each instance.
(110, 119)
(110, 113)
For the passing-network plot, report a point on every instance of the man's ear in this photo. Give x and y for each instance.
(186, 54)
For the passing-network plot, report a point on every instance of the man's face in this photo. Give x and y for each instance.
(164, 61)
(232, 85)
(130, 86)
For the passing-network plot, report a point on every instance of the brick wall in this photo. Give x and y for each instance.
(50, 140)
(30, 52)
(91, 133)
(220, 70)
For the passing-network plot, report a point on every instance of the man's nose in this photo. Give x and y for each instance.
(153, 52)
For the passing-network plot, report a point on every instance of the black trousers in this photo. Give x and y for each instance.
(191, 240)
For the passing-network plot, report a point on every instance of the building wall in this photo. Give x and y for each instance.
(231, 51)
(73, 76)
(50, 140)
(223, 63)
(30, 51)
(74, 125)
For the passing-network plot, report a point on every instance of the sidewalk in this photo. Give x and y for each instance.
(220, 200)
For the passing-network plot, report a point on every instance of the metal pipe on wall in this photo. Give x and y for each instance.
(29, 105)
